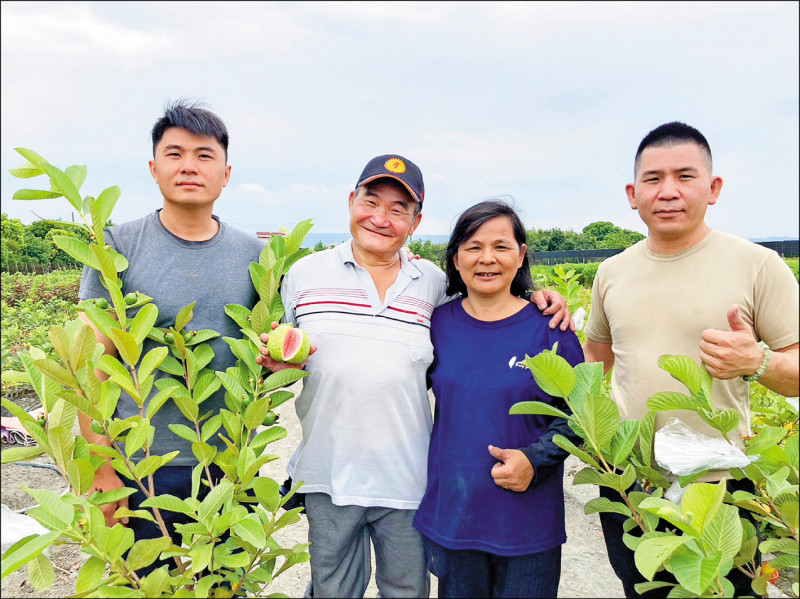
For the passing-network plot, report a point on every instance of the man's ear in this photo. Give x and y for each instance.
(153, 172)
(630, 191)
(417, 220)
(227, 175)
(716, 188)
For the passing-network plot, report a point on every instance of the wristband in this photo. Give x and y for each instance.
(762, 367)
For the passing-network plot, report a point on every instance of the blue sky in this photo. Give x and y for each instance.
(544, 102)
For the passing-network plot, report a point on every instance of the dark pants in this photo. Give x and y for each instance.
(469, 573)
(622, 561)
(168, 480)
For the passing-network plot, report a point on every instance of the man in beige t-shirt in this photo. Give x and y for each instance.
(688, 290)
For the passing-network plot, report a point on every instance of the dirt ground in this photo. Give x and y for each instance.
(585, 570)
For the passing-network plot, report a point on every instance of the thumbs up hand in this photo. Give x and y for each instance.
(728, 354)
(514, 471)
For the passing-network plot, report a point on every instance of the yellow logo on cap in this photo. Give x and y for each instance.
(395, 165)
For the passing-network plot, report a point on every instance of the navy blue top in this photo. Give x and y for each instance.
(475, 379)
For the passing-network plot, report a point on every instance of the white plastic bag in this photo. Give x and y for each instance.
(579, 318)
(17, 526)
(684, 451)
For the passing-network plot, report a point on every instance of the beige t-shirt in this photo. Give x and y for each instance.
(647, 305)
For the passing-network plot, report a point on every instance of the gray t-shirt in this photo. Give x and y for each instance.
(175, 273)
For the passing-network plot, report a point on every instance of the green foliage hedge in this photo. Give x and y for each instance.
(794, 264)
(33, 244)
(587, 271)
(29, 306)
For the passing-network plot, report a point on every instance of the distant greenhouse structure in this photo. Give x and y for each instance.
(787, 248)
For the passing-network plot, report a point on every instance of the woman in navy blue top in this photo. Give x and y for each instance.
(493, 511)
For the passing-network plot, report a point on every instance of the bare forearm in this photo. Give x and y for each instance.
(783, 372)
(599, 352)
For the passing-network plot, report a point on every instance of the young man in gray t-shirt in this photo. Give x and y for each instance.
(177, 255)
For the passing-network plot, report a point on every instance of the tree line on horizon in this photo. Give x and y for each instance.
(597, 235)
(33, 244)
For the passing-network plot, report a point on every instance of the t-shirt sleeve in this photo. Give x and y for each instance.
(776, 304)
(597, 327)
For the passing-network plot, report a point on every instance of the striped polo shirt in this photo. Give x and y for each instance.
(364, 409)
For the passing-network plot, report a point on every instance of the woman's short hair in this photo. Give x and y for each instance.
(466, 226)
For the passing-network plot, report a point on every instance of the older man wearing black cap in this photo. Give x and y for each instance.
(364, 409)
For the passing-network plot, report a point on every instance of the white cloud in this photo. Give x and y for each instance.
(76, 35)
(544, 101)
(254, 189)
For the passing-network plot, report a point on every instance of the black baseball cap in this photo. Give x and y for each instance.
(396, 167)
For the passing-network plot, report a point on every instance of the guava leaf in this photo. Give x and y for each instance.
(239, 314)
(567, 445)
(106, 202)
(295, 238)
(600, 420)
(651, 553)
(537, 408)
(703, 501)
(552, 373)
(35, 194)
(723, 420)
(26, 171)
(695, 572)
(670, 512)
(143, 322)
(603, 504)
(184, 316)
(646, 431)
(76, 174)
(724, 533)
(683, 369)
(671, 400)
(215, 499)
(41, 573)
(623, 441)
(589, 381)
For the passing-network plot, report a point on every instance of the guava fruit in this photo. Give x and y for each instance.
(287, 344)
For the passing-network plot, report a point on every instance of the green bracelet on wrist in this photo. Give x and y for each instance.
(763, 366)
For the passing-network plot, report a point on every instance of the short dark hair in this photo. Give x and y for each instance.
(189, 115)
(393, 183)
(670, 134)
(466, 226)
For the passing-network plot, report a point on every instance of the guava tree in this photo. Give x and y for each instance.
(703, 537)
(243, 507)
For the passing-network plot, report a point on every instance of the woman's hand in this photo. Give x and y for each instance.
(514, 471)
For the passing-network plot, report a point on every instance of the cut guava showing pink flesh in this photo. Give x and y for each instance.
(292, 343)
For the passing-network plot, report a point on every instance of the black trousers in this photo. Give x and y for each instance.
(621, 557)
